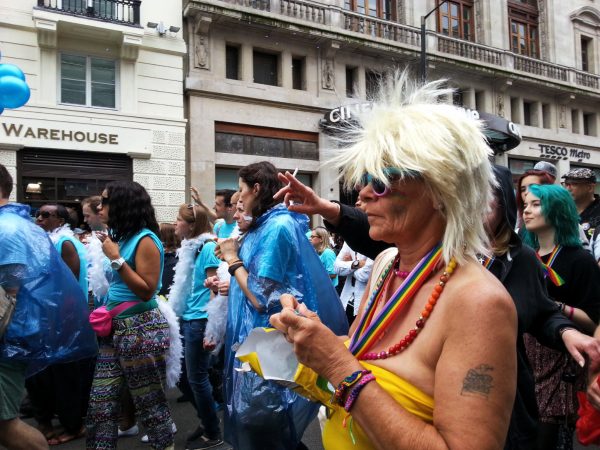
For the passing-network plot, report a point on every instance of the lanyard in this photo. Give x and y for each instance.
(487, 262)
(371, 327)
(548, 270)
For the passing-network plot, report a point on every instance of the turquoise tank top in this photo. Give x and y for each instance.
(80, 249)
(119, 292)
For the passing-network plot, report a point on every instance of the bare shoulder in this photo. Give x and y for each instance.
(147, 247)
(473, 290)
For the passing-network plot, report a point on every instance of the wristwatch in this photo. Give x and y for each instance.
(116, 264)
(355, 264)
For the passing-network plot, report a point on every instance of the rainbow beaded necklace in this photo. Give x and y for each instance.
(372, 326)
(548, 270)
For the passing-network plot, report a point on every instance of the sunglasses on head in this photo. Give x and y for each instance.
(44, 214)
(191, 206)
(380, 188)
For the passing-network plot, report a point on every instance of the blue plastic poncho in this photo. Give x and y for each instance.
(50, 322)
(262, 414)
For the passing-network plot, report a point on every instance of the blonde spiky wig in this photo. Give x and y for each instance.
(409, 128)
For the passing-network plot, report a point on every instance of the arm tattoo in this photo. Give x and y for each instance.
(478, 381)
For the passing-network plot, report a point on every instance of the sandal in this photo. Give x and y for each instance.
(47, 430)
(66, 437)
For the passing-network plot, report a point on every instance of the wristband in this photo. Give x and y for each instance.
(235, 266)
(339, 396)
(571, 313)
(565, 329)
(356, 390)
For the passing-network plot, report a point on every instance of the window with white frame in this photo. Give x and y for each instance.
(88, 81)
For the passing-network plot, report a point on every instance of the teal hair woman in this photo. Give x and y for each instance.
(573, 282)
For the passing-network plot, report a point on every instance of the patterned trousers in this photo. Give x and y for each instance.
(133, 356)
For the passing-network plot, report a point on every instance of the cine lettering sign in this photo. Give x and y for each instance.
(54, 134)
(561, 152)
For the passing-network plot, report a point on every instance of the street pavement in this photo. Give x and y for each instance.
(186, 420)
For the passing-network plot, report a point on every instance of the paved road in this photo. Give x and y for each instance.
(186, 421)
(185, 418)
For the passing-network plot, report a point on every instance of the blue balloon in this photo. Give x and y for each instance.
(14, 92)
(11, 70)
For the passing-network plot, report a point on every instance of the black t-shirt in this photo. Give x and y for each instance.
(581, 274)
(590, 217)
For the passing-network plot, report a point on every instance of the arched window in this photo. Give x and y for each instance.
(523, 27)
(455, 19)
(381, 9)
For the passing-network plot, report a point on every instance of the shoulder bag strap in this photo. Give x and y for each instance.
(121, 307)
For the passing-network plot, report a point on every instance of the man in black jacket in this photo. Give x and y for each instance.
(514, 264)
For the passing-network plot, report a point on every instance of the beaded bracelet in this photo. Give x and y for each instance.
(356, 390)
(341, 391)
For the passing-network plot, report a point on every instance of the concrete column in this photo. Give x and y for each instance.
(469, 98)
(8, 158)
(246, 62)
(127, 87)
(537, 114)
(49, 71)
(285, 69)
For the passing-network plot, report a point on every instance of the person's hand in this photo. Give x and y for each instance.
(315, 345)
(302, 199)
(579, 344)
(347, 257)
(223, 288)
(208, 344)
(195, 195)
(227, 250)
(212, 283)
(109, 247)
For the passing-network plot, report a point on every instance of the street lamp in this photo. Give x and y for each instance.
(423, 46)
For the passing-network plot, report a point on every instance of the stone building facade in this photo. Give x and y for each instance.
(106, 79)
(261, 74)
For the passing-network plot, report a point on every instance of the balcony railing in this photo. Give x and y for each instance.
(380, 28)
(541, 68)
(313, 12)
(587, 79)
(303, 10)
(469, 50)
(125, 12)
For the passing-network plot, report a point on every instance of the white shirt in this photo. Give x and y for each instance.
(356, 279)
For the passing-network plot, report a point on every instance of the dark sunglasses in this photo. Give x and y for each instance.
(380, 188)
(103, 201)
(44, 214)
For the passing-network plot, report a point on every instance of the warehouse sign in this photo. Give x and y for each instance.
(56, 134)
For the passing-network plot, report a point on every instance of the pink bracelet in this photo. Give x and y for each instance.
(366, 379)
(571, 313)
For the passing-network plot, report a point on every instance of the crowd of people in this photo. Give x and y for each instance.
(453, 313)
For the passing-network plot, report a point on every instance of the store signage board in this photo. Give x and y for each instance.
(502, 134)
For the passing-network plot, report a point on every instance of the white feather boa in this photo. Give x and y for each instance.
(217, 312)
(95, 259)
(175, 352)
(181, 288)
(62, 231)
(217, 307)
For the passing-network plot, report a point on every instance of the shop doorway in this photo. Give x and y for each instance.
(66, 177)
